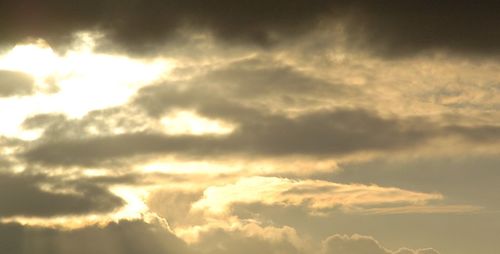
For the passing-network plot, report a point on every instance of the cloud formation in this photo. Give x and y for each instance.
(134, 237)
(318, 134)
(251, 239)
(123, 23)
(358, 244)
(317, 196)
(389, 29)
(15, 84)
(314, 92)
(124, 237)
(25, 195)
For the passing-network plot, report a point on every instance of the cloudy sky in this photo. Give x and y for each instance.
(263, 126)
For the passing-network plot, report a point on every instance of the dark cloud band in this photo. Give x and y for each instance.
(389, 28)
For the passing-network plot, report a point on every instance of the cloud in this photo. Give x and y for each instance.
(447, 209)
(259, 77)
(317, 196)
(387, 28)
(137, 237)
(15, 84)
(40, 196)
(124, 23)
(257, 130)
(250, 239)
(421, 251)
(229, 89)
(275, 110)
(317, 134)
(124, 237)
(358, 244)
(467, 177)
(174, 206)
(410, 27)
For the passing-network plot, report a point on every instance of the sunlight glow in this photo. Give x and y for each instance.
(74, 83)
(185, 122)
(37, 60)
(135, 207)
(291, 166)
(194, 167)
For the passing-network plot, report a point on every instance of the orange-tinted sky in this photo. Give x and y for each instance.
(234, 127)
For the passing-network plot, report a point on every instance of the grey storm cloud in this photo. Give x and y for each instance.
(14, 83)
(125, 237)
(22, 195)
(389, 28)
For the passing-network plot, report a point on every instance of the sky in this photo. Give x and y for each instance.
(235, 127)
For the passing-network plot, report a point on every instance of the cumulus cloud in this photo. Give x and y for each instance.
(358, 244)
(134, 237)
(420, 251)
(250, 239)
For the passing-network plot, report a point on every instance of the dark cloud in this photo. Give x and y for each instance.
(125, 237)
(401, 28)
(15, 83)
(260, 77)
(142, 25)
(22, 195)
(224, 91)
(315, 134)
(386, 27)
(102, 122)
(95, 150)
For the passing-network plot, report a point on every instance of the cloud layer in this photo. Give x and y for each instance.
(15, 83)
(396, 29)
(223, 126)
